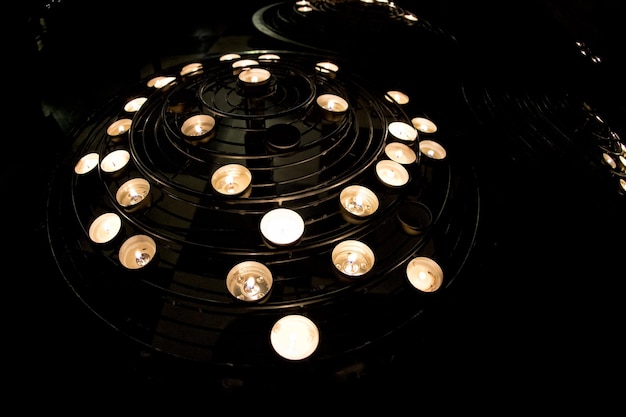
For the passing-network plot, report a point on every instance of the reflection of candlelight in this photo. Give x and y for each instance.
(115, 161)
(392, 173)
(118, 129)
(137, 251)
(358, 200)
(432, 149)
(198, 128)
(353, 258)
(400, 153)
(87, 163)
(249, 281)
(133, 192)
(397, 96)
(105, 227)
(282, 226)
(424, 274)
(424, 125)
(334, 107)
(403, 131)
(135, 104)
(231, 179)
(294, 337)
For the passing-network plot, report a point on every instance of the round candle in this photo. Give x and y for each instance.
(400, 153)
(249, 281)
(231, 179)
(432, 149)
(137, 251)
(294, 337)
(424, 274)
(133, 192)
(191, 69)
(160, 81)
(424, 125)
(282, 226)
(105, 228)
(327, 67)
(229, 57)
(392, 173)
(609, 160)
(403, 131)
(119, 128)
(115, 161)
(198, 128)
(353, 258)
(135, 104)
(87, 163)
(358, 200)
(397, 96)
(254, 76)
(269, 57)
(242, 64)
(333, 106)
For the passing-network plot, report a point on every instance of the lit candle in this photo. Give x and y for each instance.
(242, 64)
(231, 179)
(249, 281)
(294, 337)
(353, 258)
(282, 226)
(133, 193)
(400, 153)
(333, 106)
(87, 163)
(327, 68)
(115, 161)
(198, 129)
(397, 96)
(254, 76)
(358, 200)
(269, 57)
(424, 274)
(424, 125)
(432, 149)
(105, 228)
(160, 81)
(135, 104)
(392, 173)
(137, 251)
(229, 57)
(118, 129)
(609, 160)
(403, 131)
(191, 69)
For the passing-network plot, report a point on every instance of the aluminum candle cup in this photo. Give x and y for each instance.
(424, 125)
(135, 104)
(133, 194)
(400, 153)
(353, 258)
(397, 96)
(231, 179)
(334, 108)
(294, 337)
(282, 226)
(432, 149)
(392, 173)
(249, 281)
(191, 69)
(118, 130)
(198, 129)
(327, 68)
(105, 228)
(115, 162)
(137, 251)
(358, 201)
(403, 131)
(424, 274)
(87, 163)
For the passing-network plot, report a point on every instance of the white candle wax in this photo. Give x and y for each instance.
(294, 337)
(392, 173)
(327, 67)
(87, 163)
(254, 76)
(424, 274)
(160, 81)
(118, 128)
(403, 131)
(105, 228)
(135, 104)
(400, 153)
(115, 161)
(432, 149)
(282, 226)
(397, 96)
(137, 251)
(424, 125)
(191, 69)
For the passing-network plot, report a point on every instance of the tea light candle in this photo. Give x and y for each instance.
(353, 258)
(160, 81)
(87, 163)
(242, 64)
(105, 228)
(424, 274)
(231, 179)
(191, 69)
(392, 173)
(249, 281)
(358, 200)
(424, 125)
(327, 67)
(269, 57)
(282, 226)
(397, 96)
(609, 160)
(135, 104)
(400, 153)
(115, 161)
(198, 128)
(229, 57)
(254, 76)
(137, 251)
(294, 337)
(403, 131)
(334, 107)
(432, 149)
(118, 129)
(133, 192)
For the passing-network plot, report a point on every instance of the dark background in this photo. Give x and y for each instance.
(540, 313)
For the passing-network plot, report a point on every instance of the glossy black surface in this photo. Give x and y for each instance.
(538, 300)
